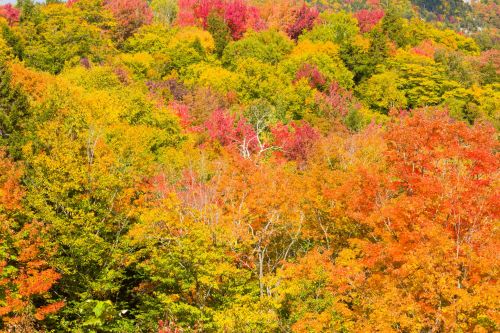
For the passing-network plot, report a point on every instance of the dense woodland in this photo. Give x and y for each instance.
(249, 166)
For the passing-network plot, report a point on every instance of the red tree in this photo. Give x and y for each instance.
(224, 127)
(10, 13)
(204, 8)
(304, 20)
(296, 140)
(238, 15)
(130, 15)
(185, 16)
(338, 101)
(367, 19)
(182, 111)
(313, 75)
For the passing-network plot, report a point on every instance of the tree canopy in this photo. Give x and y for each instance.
(249, 166)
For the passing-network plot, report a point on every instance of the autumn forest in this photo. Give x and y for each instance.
(270, 166)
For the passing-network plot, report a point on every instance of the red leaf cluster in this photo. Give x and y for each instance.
(10, 13)
(229, 131)
(168, 327)
(304, 20)
(367, 19)
(238, 15)
(182, 111)
(313, 75)
(295, 140)
(130, 14)
(339, 101)
(426, 49)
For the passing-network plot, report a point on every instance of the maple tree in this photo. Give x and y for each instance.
(304, 20)
(368, 19)
(237, 14)
(11, 13)
(295, 141)
(313, 75)
(130, 14)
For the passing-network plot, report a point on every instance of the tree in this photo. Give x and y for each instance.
(236, 13)
(325, 56)
(339, 28)
(165, 11)
(307, 296)
(234, 133)
(295, 141)
(130, 16)
(394, 26)
(304, 21)
(220, 32)
(312, 75)
(266, 46)
(421, 79)
(15, 112)
(61, 38)
(240, 17)
(382, 93)
(10, 13)
(29, 12)
(368, 19)
(366, 53)
(279, 14)
(273, 231)
(27, 277)
(94, 13)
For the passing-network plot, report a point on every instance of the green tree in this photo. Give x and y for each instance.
(382, 93)
(364, 54)
(268, 47)
(14, 113)
(61, 38)
(339, 28)
(220, 32)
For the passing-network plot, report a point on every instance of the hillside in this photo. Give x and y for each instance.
(249, 166)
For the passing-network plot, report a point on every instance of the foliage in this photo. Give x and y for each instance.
(165, 11)
(62, 37)
(237, 14)
(10, 13)
(267, 47)
(304, 20)
(26, 274)
(338, 28)
(296, 143)
(381, 92)
(249, 166)
(220, 32)
(130, 15)
(15, 112)
(368, 19)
